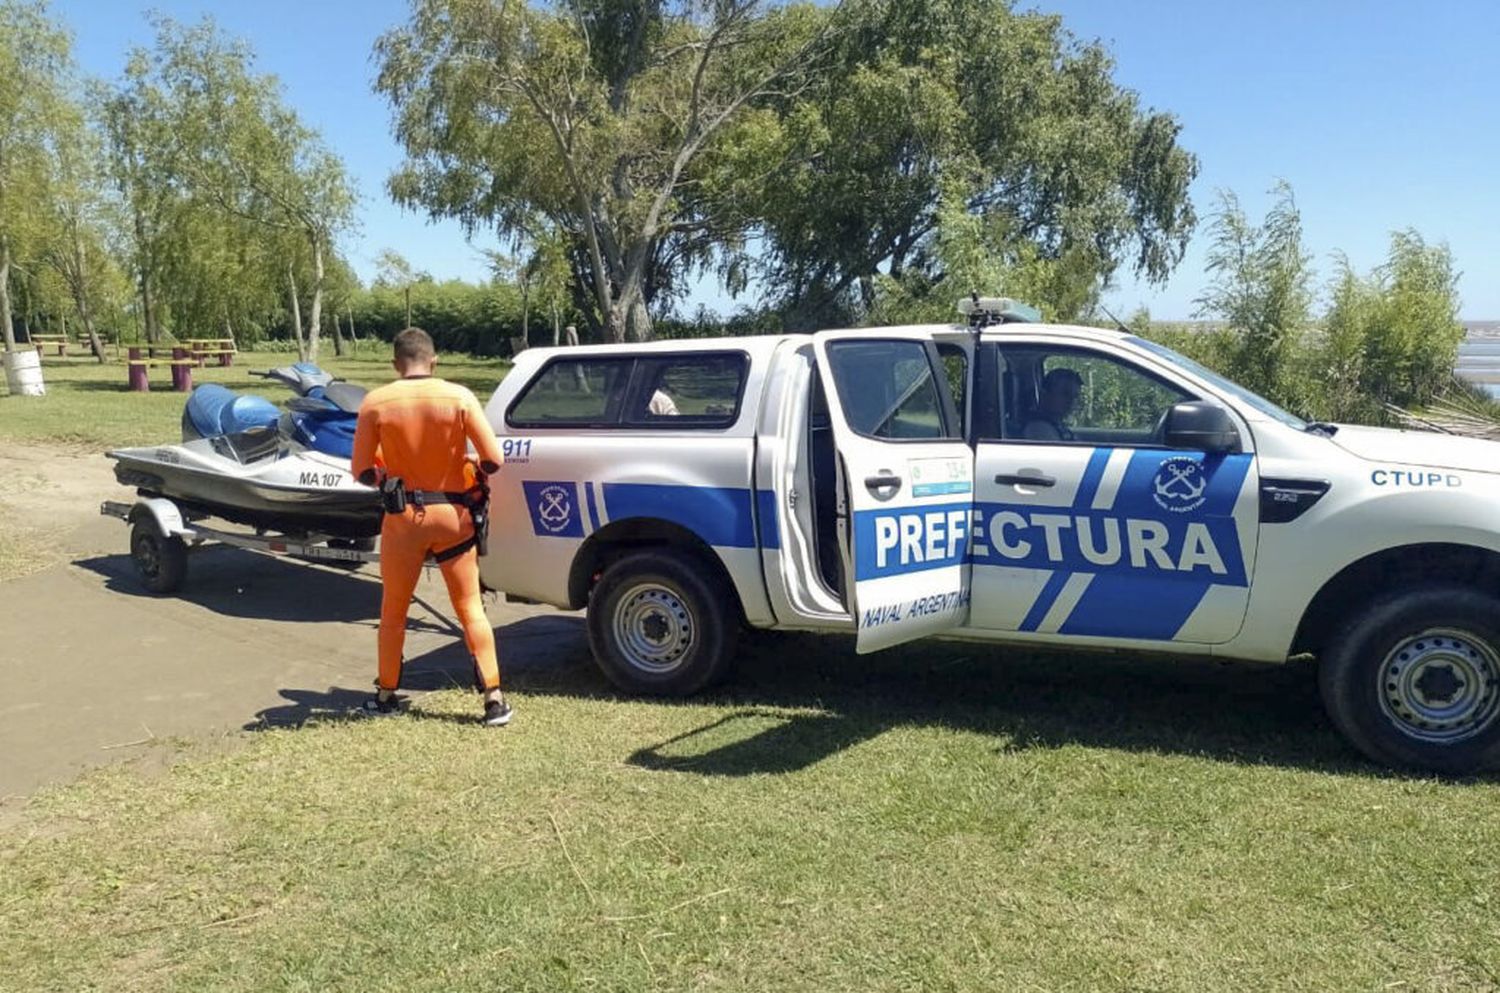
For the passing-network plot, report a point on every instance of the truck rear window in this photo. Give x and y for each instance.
(578, 392)
(694, 390)
(688, 390)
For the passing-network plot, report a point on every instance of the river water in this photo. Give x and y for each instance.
(1479, 355)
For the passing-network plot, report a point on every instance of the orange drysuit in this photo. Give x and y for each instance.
(417, 429)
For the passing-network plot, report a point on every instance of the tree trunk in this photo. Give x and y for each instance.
(81, 296)
(571, 339)
(291, 279)
(146, 320)
(408, 305)
(556, 329)
(526, 312)
(95, 345)
(353, 337)
(6, 324)
(638, 320)
(315, 315)
(615, 323)
(148, 307)
(338, 336)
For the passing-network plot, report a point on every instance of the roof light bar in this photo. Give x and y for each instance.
(983, 311)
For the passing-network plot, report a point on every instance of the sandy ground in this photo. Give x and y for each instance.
(94, 670)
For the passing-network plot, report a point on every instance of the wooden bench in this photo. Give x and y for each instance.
(41, 341)
(222, 348)
(138, 379)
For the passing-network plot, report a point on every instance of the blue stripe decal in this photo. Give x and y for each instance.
(1135, 606)
(1045, 600)
(588, 489)
(1092, 474)
(720, 516)
(770, 530)
(1031, 537)
(1153, 557)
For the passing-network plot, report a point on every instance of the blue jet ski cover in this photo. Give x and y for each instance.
(215, 410)
(328, 430)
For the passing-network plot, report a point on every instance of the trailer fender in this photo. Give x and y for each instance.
(165, 515)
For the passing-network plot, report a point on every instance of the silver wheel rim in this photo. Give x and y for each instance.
(653, 628)
(1441, 686)
(147, 557)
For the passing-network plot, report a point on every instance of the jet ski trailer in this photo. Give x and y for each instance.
(162, 533)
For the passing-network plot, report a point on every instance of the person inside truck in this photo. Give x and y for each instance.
(1048, 422)
(661, 405)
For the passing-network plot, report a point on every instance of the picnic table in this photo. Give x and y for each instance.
(137, 367)
(222, 348)
(41, 341)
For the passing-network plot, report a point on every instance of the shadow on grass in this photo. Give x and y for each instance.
(798, 699)
(343, 703)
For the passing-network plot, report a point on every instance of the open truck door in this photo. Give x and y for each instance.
(906, 484)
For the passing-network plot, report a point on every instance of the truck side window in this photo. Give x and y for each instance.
(956, 370)
(581, 392)
(887, 389)
(687, 391)
(1077, 396)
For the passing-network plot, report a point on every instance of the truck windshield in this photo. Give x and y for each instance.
(1234, 389)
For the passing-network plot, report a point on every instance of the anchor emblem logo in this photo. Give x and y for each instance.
(1180, 485)
(554, 508)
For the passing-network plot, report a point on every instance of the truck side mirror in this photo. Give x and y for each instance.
(1200, 426)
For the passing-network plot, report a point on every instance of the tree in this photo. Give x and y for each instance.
(1261, 286)
(541, 271)
(954, 140)
(342, 284)
(1391, 337)
(252, 155)
(139, 147)
(594, 114)
(203, 146)
(35, 60)
(392, 269)
(76, 217)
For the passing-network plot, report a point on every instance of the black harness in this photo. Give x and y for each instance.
(395, 497)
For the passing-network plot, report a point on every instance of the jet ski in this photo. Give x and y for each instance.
(322, 415)
(245, 460)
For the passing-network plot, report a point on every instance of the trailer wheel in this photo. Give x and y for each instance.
(161, 562)
(660, 623)
(1414, 681)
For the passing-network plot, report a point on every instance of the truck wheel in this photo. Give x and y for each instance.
(660, 623)
(1414, 681)
(160, 562)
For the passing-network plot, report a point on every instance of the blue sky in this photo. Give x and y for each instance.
(1381, 114)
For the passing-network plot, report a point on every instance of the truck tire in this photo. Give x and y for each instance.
(1414, 681)
(660, 623)
(160, 562)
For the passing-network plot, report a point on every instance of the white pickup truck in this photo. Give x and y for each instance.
(1000, 481)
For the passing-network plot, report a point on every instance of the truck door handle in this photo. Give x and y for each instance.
(883, 481)
(1028, 477)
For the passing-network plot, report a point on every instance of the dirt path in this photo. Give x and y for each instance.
(49, 492)
(93, 670)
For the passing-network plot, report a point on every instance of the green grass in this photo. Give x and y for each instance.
(934, 819)
(87, 404)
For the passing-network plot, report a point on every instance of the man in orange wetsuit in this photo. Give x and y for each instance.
(412, 437)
